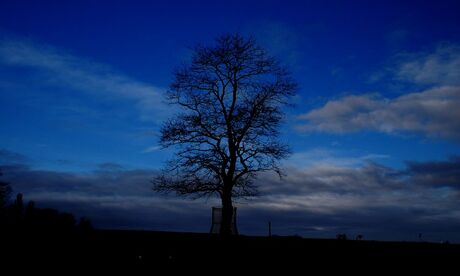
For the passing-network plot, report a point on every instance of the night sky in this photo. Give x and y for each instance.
(374, 129)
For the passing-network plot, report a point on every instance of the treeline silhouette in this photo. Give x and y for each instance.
(27, 217)
(32, 235)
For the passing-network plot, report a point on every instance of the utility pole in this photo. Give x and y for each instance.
(269, 228)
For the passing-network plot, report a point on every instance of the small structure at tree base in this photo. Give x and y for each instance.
(217, 221)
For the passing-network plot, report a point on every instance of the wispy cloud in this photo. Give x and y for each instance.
(57, 67)
(441, 67)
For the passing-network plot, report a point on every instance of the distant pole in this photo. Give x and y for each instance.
(269, 228)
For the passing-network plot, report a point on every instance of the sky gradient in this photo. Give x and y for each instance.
(374, 129)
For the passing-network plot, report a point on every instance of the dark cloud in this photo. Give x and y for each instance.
(377, 201)
(436, 173)
(383, 223)
(319, 201)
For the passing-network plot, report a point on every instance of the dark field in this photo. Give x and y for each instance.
(168, 250)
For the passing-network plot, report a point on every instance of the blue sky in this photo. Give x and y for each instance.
(81, 86)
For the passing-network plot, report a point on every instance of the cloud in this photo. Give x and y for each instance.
(433, 113)
(326, 156)
(332, 188)
(421, 198)
(415, 197)
(317, 201)
(436, 174)
(332, 179)
(57, 67)
(442, 67)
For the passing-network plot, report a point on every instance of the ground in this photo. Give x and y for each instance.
(149, 250)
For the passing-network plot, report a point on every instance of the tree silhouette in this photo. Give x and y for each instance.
(231, 97)
(5, 192)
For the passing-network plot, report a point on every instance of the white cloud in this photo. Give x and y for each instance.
(57, 67)
(433, 113)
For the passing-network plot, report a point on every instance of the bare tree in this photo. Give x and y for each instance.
(231, 96)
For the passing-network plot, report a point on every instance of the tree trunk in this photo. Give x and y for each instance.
(227, 214)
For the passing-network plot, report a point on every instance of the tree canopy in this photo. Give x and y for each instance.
(231, 97)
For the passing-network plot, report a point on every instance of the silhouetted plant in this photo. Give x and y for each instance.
(230, 95)
(30, 214)
(5, 192)
(85, 225)
(18, 210)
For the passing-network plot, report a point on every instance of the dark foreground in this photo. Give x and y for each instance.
(167, 250)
